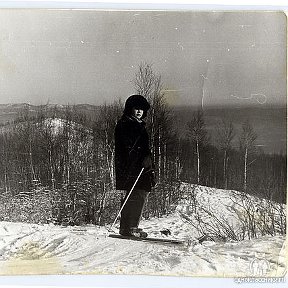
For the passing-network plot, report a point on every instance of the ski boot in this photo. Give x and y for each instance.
(133, 232)
(138, 232)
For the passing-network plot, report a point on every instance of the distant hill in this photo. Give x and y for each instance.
(270, 123)
(9, 112)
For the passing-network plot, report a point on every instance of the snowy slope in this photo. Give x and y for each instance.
(50, 249)
(228, 214)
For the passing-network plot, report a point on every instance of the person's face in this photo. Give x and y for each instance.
(137, 112)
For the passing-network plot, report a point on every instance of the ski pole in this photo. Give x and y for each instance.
(126, 199)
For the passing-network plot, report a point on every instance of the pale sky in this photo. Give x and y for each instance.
(208, 58)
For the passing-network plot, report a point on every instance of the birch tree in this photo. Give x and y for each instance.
(247, 145)
(159, 121)
(198, 134)
(225, 135)
(104, 155)
(164, 142)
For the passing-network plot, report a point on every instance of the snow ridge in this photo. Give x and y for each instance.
(49, 249)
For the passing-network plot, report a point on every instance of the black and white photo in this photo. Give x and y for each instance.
(149, 142)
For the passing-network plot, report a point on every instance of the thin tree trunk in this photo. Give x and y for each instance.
(198, 162)
(226, 180)
(6, 179)
(224, 169)
(51, 170)
(245, 168)
(112, 169)
(159, 156)
(31, 161)
(215, 174)
(102, 205)
(165, 161)
(68, 154)
(6, 161)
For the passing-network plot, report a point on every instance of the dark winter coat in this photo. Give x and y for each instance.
(132, 152)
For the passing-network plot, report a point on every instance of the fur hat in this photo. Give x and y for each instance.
(136, 101)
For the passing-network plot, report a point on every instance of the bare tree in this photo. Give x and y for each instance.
(104, 135)
(247, 145)
(225, 135)
(4, 159)
(103, 139)
(145, 80)
(164, 141)
(159, 121)
(198, 134)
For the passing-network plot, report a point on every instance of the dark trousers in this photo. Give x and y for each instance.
(132, 211)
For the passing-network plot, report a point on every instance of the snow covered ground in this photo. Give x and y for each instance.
(50, 249)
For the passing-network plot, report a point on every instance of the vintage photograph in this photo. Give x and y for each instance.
(143, 142)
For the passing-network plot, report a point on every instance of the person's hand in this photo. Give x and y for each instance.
(147, 163)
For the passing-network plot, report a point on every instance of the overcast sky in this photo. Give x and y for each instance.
(73, 56)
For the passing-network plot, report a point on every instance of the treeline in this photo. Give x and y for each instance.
(70, 154)
(244, 167)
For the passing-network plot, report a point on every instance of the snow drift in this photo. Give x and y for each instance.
(51, 249)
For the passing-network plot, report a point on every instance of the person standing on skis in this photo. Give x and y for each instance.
(132, 153)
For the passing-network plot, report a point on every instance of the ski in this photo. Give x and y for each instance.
(149, 239)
